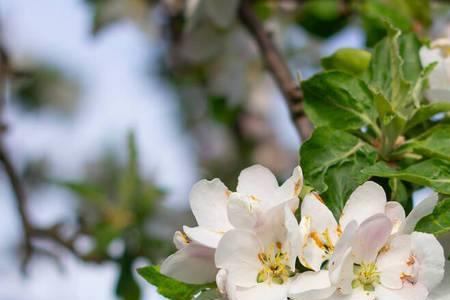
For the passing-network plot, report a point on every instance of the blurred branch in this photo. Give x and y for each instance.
(18, 187)
(278, 68)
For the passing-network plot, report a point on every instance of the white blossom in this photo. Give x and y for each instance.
(439, 79)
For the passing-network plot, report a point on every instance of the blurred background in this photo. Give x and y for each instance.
(112, 109)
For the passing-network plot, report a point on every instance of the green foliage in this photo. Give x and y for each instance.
(323, 17)
(117, 204)
(353, 61)
(174, 289)
(339, 100)
(368, 121)
(439, 221)
(332, 161)
(434, 173)
(403, 14)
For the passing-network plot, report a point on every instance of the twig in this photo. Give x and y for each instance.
(278, 68)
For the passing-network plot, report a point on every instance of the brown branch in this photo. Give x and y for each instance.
(30, 232)
(278, 68)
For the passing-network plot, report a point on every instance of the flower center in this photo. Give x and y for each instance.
(275, 265)
(366, 276)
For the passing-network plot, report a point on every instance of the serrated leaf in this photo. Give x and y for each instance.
(331, 160)
(438, 222)
(339, 100)
(171, 288)
(434, 173)
(425, 112)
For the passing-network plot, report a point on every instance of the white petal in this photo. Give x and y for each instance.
(408, 292)
(203, 236)
(208, 201)
(258, 181)
(292, 235)
(341, 263)
(392, 262)
(367, 200)
(442, 291)
(357, 294)
(311, 285)
(193, 264)
(243, 211)
(291, 188)
(317, 222)
(371, 236)
(180, 240)
(261, 291)
(396, 213)
(430, 256)
(221, 281)
(237, 253)
(421, 210)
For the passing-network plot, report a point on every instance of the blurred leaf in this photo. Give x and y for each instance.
(436, 144)
(353, 61)
(438, 222)
(400, 194)
(339, 100)
(127, 287)
(403, 14)
(332, 161)
(47, 87)
(323, 17)
(434, 173)
(425, 112)
(171, 288)
(221, 111)
(86, 191)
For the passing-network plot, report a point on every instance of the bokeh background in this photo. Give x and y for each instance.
(114, 108)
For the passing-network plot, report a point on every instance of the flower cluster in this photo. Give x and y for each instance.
(252, 245)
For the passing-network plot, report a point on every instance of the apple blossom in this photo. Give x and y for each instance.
(260, 264)
(374, 264)
(320, 231)
(439, 79)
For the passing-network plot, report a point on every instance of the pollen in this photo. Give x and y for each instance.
(366, 276)
(275, 265)
(411, 261)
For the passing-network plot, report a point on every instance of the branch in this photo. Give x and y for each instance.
(278, 68)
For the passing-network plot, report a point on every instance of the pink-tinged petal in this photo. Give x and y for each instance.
(442, 291)
(421, 210)
(203, 236)
(243, 211)
(291, 188)
(208, 200)
(408, 292)
(237, 253)
(258, 181)
(311, 285)
(341, 263)
(395, 260)
(193, 264)
(371, 236)
(366, 201)
(396, 213)
(261, 291)
(430, 257)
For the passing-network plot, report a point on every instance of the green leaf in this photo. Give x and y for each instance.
(438, 222)
(425, 112)
(434, 173)
(339, 100)
(127, 287)
(400, 194)
(332, 161)
(89, 192)
(436, 144)
(171, 288)
(350, 60)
